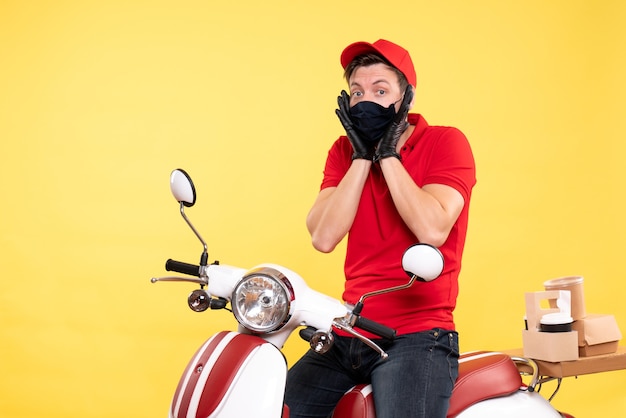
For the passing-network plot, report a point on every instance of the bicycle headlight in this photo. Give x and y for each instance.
(261, 301)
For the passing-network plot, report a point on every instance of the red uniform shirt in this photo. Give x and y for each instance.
(378, 237)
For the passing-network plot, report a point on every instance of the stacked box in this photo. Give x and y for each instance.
(597, 334)
(591, 335)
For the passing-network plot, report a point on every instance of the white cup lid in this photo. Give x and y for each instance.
(556, 319)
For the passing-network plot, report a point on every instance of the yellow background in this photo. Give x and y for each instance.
(99, 100)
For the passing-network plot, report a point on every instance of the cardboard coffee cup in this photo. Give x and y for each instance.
(575, 285)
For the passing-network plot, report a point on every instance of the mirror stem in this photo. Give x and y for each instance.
(205, 254)
(383, 291)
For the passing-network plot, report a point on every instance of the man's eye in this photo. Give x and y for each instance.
(357, 94)
(381, 92)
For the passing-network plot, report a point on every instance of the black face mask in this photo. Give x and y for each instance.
(372, 120)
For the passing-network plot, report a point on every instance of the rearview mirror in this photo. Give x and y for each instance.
(182, 187)
(423, 261)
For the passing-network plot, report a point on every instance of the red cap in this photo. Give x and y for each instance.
(395, 54)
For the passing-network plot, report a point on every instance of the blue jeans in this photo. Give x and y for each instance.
(416, 380)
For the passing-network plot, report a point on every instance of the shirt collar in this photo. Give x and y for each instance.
(420, 127)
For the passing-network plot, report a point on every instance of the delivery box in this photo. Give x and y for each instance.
(597, 334)
(549, 346)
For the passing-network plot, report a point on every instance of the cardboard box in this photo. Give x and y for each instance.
(547, 346)
(550, 346)
(597, 334)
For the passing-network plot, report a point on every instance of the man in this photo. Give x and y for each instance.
(390, 182)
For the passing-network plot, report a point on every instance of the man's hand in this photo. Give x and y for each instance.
(362, 149)
(387, 146)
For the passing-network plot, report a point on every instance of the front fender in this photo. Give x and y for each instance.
(232, 375)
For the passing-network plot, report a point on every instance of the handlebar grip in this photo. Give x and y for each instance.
(184, 268)
(375, 328)
(307, 333)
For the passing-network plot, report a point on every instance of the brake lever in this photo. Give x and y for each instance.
(201, 280)
(343, 325)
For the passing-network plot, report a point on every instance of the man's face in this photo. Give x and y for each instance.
(375, 83)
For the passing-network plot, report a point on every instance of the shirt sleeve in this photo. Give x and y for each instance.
(337, 162)
(451, 162)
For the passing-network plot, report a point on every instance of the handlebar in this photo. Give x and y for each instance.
(181, 267)
(375, 328)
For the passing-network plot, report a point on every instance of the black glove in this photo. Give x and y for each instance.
(387, 145)
(362, 149)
